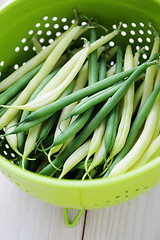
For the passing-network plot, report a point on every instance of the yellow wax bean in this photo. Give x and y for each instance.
(151, 152)
(111, 53)
(75, 158)
(38, 78)
(97, 159)
(138, 96)
(30, 142)
(157, 131)
(36, 44)
(140, 146)
(61, 75)
(96, 141)
(143, 141)
(111, 71)
(32, 63)
(127, 109)
(12, 138)
(101, 41)
(80, 83)
(55, 93)
(150, 73)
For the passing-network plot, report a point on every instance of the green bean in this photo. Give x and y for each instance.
(47, 126)
(94, 99)
(75, 126)
(92, 58)
(98, 134)
(103, 112)
(50, 121)
(141, 144)
(80, 83)
(21, 135)
(59, 104)
(28, 125)
(98, 97)
(25, 127)
(3, 110)
(17, 86)
(137, 124)
(87, 91)
(119, 60)
(102, 67)
(47, 111)
(112, 121)
(72, 129)
(34, 132)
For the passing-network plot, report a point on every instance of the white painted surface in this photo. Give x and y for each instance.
(23, 217)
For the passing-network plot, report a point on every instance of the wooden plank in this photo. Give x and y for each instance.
(138, 219)
(25, 217)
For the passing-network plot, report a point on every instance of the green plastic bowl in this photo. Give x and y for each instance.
(19, 20)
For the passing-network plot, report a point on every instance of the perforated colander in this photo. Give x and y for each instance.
(22, 19)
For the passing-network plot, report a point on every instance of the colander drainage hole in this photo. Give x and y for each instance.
(117, 197)
(17, 49)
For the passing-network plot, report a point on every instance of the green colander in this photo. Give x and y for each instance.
(19, 21)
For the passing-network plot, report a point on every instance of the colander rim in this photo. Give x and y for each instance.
(45, 180)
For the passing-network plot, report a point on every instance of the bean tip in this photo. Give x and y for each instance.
(118, 28)
(86, 42)
(76, 15)
(155, 31)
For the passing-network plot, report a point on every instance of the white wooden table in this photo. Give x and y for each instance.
(23, 217)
